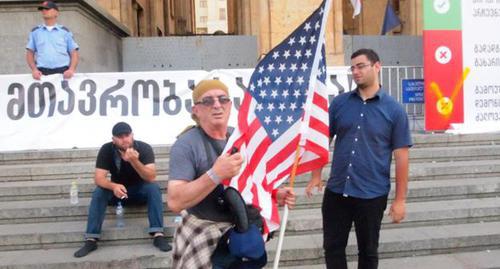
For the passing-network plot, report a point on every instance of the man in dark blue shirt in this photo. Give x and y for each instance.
(369, 126)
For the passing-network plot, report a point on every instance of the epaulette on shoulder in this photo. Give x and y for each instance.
(65, 28)
(35, 28)
(186, 130)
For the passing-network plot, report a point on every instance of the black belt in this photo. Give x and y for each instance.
(50, 71)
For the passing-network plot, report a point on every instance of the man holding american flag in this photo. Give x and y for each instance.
(197, 167)
(282, 131)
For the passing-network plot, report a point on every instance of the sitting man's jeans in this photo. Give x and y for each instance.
(145, 193)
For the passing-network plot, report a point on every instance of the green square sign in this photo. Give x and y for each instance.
(443, 14)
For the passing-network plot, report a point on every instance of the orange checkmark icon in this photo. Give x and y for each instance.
(444, 105)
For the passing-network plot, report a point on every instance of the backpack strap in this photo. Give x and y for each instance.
(210, 142)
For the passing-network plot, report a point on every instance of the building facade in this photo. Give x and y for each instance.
(101, 25)
(270, 21)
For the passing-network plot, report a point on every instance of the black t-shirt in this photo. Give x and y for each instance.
(121, 171)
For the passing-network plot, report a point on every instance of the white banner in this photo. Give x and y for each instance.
(79, 113)
(481, 54)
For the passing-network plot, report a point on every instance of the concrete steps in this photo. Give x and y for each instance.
(106, 257)
(453, 212)
(297, 249)
(161, 151)
(418, 153)
(56, 208)
(59, 171)
(63, 155)
(79, 163)
(419, 190)
(69, 233)
(400, 242)
(440, 139)
(427, 190)
(486, 259)
(453, 154)
(51, 189)
(84, 170)
(301, 221)
(435, 170)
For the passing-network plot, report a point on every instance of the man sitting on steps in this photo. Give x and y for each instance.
(133, 174)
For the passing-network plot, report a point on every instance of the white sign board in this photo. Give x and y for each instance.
(481, 53)
(53, 113)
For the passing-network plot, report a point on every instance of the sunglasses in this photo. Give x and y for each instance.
(210, 101)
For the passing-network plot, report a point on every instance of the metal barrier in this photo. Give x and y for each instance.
(391, 78)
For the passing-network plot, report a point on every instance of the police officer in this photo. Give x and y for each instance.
(51, 48)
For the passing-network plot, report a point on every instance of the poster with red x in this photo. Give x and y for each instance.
(442, 73)
(442, 64)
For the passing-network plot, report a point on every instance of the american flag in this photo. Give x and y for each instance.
(284, 107)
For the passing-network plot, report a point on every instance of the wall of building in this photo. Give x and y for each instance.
(371, 18)
(97, 28)
(180, 17)
(392, 50)
(217, 17)
(142, 17)
(189, 53)
(412, 17)
(272, 21)
(211, 16)
(97, 33)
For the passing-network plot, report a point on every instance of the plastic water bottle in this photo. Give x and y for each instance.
(120, 222)
(73, 193)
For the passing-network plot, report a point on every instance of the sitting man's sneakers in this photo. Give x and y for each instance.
(161, 243)
(90, 245)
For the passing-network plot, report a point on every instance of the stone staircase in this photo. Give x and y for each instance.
(453, 212)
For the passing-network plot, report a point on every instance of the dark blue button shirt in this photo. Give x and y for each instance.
(367, 133)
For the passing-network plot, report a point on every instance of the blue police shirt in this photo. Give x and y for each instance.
(52, 48)
(367, 133)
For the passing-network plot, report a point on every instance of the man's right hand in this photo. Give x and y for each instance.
(36, 74)
(120, 191)
(228, 166)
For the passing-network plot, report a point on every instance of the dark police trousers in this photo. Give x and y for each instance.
(51, 71)
(339, 213)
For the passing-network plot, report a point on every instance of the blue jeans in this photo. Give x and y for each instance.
(144, 193)
(339, 213)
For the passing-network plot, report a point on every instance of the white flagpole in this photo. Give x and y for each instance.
(284, 220)
(282, 236)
